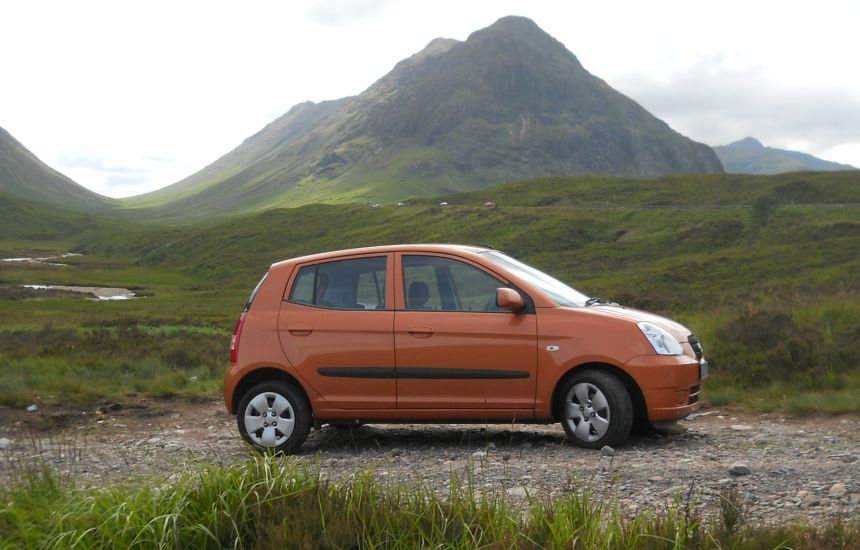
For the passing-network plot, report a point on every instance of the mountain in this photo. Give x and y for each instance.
(26, 219)
(749, 156)
(22, 174)
(509, 102)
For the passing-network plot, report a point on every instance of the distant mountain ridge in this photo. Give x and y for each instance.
(508, 103)
(23, 175)
(750, 156)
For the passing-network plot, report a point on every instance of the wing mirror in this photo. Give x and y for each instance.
(509, 299)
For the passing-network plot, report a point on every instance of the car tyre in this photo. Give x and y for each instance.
(595, 409)
(274, 416)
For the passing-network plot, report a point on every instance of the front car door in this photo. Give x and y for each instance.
(455, 348)
(335, 326)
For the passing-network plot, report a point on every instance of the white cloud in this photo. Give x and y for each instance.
(341, 12)
(717, 104)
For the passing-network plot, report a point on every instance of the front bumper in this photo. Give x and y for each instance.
(670, 384)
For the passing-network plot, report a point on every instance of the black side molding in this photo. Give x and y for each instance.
(357, 372)
(422, 373)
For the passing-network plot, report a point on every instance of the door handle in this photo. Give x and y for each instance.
(300, 329)
(420, 331)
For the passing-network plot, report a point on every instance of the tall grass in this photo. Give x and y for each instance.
(272, 502)
(78, 365)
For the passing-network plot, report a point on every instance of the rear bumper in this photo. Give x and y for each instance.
(671, 385)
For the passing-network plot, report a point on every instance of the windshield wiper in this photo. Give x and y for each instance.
(596, 300)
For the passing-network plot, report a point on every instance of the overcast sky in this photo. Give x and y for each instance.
(126, 97)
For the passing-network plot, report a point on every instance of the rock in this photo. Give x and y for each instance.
(518, 491)
(741, 427)
(4, 443)
(32, 408)
(478, 455)
(810, 501)
(837, 490)
(606, 450)
(740, 469)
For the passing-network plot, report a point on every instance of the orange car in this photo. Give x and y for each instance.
(448, 333)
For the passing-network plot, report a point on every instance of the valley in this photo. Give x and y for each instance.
(116, 318)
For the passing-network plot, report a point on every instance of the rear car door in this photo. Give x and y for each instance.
(335, 325)
(455, 348)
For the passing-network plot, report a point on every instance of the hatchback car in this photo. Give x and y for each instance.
(448, 333)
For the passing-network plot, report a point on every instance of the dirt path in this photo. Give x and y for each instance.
(803, 468)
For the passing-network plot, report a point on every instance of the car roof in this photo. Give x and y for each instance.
(384, 250)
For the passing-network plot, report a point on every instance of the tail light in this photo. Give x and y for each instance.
(237, 333)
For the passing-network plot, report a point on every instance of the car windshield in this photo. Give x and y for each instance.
(552, 287)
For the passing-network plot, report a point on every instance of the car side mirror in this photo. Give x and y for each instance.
(509, 299)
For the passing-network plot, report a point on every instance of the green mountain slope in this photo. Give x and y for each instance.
(508, 103)
(749, 156)
(22, 174)
(612, 236)
(25, 219)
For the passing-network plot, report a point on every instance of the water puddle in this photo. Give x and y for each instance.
(99, 293)
(43, 261)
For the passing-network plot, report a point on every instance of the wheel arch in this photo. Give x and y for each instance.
(264, 374)
(640, 409)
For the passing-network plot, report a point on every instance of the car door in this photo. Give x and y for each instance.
(455, 348)
(335, 325)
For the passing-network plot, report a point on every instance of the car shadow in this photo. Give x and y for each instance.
(461, 437)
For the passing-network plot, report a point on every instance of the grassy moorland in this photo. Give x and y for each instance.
(764, 269)
(272, 503)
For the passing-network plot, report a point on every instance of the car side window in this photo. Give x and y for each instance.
(443, 284)
(343, 284)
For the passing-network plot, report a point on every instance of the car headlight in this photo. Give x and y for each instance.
(662, 342)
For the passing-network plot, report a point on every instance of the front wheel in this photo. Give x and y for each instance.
(274, 416)
(595, 409)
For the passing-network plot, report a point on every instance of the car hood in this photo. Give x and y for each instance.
(679, 331)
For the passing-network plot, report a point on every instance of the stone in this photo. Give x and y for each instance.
(518, 491)
(32, 408)
(606, 450)
(741, 427)
(4, 443)
(837, 490)
(740, 469)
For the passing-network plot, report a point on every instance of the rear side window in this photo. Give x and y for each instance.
(343, 284)
(254, 293)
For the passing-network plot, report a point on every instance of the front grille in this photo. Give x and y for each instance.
(696, 345)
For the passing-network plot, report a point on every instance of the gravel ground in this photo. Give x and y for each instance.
(788, 468)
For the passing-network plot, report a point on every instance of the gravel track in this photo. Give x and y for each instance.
(804, 469)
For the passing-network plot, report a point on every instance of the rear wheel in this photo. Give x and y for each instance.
(274, 416)
(595, 409)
